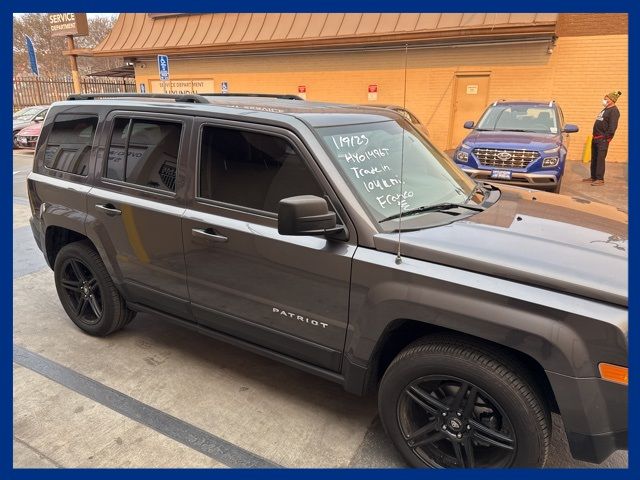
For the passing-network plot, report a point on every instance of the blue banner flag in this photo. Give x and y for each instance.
(33, 63)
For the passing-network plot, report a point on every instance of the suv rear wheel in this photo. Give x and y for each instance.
(453, 404)
(87, 292)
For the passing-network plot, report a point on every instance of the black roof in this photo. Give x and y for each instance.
(315, 113)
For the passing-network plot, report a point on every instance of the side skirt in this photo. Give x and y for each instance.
(292, 362)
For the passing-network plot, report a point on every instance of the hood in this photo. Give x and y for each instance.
(538, 238)
(20, 124)
(31, 130)
(525, 140)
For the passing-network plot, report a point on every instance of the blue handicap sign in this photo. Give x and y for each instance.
(163, 67)
(143, 88)
(224, 86)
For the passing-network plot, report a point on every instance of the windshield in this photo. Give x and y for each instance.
(519, 118)
(26, 113)
(369, 157)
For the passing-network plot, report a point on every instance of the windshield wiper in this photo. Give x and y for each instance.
(510, 130)
(440, 207)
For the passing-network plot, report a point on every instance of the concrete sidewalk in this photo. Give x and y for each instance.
(614, 192)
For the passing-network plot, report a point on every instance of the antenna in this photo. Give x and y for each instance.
(404, 106)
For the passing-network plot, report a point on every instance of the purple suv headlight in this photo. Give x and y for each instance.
(553, 159)
(461, 155)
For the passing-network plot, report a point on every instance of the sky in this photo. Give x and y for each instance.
(89, 15)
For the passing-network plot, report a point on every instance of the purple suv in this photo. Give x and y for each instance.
(517, 142)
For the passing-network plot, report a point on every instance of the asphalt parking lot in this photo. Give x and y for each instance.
(157, 395)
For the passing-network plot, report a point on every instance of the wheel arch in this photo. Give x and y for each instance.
(401, 332)
(56, 237)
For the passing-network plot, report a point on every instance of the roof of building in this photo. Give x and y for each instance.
(136, 34)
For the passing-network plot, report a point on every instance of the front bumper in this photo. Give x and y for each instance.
(546, 181)
(594, 413)
(27, 142)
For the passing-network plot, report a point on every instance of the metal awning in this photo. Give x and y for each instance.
(124, 71)
(141, 34)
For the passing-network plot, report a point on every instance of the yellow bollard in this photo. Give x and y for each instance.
(586, 153)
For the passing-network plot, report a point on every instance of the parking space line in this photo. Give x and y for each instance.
(37, 452)
(214, 447)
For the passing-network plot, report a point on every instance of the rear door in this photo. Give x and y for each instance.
(286, 293)
(136, 207)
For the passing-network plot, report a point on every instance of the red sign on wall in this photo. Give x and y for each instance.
(302, 89)
(372, 94)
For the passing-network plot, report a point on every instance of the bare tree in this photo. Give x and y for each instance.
(51, 61)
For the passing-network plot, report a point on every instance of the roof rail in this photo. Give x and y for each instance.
(282, 96)
(187, 98)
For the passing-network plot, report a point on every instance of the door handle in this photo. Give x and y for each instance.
(109, 209)
(208, 234)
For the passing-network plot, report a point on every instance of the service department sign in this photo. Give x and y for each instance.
(63, 24)
(181, 87)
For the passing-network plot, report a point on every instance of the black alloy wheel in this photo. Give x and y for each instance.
(451, 423)
(83, 291)
(87, 292)
(453, 401)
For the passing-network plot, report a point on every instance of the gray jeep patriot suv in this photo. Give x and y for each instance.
(339, 240)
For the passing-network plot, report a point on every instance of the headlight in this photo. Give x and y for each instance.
(462, 156)
(550, 162)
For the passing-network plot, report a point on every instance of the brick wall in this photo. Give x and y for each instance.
(590, 24)
(577, 74)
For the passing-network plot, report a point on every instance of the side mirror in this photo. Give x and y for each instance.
(469, 124)
(305, 215)
(570, 128)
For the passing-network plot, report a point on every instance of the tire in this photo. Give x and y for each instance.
(87, 292)
(507, 425)
(15, 141)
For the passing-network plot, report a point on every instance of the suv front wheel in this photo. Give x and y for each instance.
(87, 292)
(454, 404)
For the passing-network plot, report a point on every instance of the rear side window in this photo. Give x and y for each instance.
(69, 143)
(144, 152)
(250, 169)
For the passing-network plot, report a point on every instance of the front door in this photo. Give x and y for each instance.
(286, 293)
(470, 99)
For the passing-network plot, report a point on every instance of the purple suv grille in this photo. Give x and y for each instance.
(502, 158)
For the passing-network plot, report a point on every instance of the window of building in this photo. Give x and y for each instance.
(250, 169)
(144, 152)
(69, 143)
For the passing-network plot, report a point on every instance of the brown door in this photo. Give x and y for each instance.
(470, 100)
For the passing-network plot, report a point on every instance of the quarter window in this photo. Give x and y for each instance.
(69, 143)
(144, 152)
(250, 169)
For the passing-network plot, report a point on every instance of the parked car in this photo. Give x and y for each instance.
(28, 136)
(411, 118)
(25, 117)
(521, 143)
(281, 235)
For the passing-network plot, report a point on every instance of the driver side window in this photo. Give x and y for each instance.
(252, 169)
